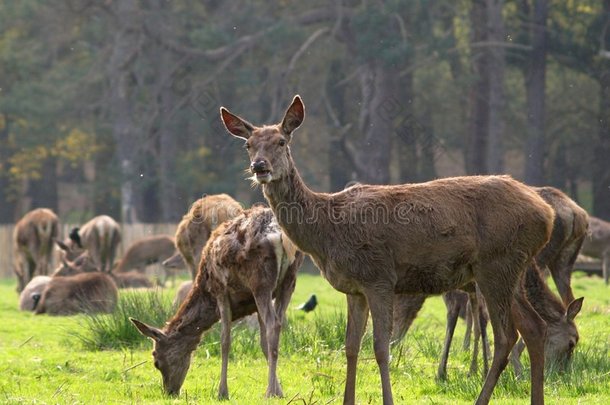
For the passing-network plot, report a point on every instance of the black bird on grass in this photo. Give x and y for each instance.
(309, 305)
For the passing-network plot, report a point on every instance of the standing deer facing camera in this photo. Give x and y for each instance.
(437, 237)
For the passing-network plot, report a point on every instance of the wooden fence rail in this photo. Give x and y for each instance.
(130, 233)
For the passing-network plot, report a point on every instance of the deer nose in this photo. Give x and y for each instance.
(258, 165)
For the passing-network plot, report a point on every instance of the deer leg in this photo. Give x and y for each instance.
(453, 312)
(224, 307)
(505, 334)
(483, 317)
(468, 320)
(606, 266)
(476, 323)
(515, 358)
(264, 303)
(357, 315)
(381, 305)
(533, 331)
(263, 336)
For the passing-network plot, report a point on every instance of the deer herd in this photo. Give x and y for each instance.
(484, 242)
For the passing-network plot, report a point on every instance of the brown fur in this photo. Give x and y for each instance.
(33, 238)
(243, 267)
(438, 236)
(569, 232)
(84, 264)
(146, 251)
(100, 237)
(597, 244)
(30, 296)
(84, 292)
(198, 223)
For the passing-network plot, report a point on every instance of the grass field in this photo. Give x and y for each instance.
(55, 359)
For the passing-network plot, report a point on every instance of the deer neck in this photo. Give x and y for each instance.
(544, 301)
(297, 209)
(196, 315)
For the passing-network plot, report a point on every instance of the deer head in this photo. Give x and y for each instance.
(562, 337)
(170, 358)
(268, 145)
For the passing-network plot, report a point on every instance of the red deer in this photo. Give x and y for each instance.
(245, 264)
(196, 226)
(29, 297)
(597, 244)
(147, 251)
(371, 242)
(84, 264)
(569, 229)
(84, 292)
(100, 236)
(33, 238)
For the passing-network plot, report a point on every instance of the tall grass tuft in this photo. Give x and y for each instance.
(115, 330)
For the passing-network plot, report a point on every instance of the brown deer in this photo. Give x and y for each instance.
(84, 292)
(197, 225)
(100, 236)
(569, 230)
(597, 244)
(84, 264)
(371, 242)
(245, 264)
(29, 297)
(33, 238)
(146, 251)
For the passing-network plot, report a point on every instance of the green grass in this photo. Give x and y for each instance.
(58, 359)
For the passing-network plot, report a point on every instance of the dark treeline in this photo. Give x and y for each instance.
(112, 106)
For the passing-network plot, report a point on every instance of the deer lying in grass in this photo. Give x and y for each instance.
(33, 238)
(146, 251)
(197, 225)
(100, 237)
(84, 264)
(29, 297)
(246, 263)
(597, 244)
(439, 236)
(83, 292)
(569, 229)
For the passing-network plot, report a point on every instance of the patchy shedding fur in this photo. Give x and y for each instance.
(196, 226)
(372, 241)
(83, 292)
(243, 267)
(33, 238)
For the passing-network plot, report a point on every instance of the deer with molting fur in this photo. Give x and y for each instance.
(441, 235)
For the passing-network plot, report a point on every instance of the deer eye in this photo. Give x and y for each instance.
(282, 142)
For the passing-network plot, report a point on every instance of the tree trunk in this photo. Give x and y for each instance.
(124, 52)
(43, 192)
(496, 67)
(339, 168)
(476, 151)
(535, 92)
(7, 205)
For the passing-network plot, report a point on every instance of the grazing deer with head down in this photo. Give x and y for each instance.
(100, 237)
(597, 244)
(569, 228)
(196, 227)
(33, 238)
(84, 292)
(245, 264)
(441, 235)
(146, 251)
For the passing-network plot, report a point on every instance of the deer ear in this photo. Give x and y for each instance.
(574, 308)
(148, 331)
(295, 114)
(235, 125)
(62, 245)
